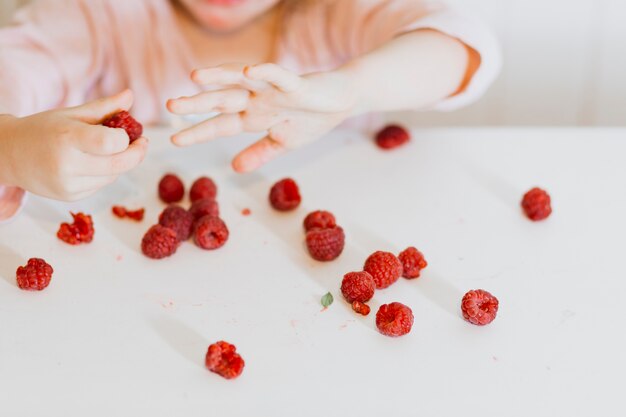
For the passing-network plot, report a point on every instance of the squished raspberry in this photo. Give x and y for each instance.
(394, 319)
(159, 242)
(204, 207)
(123, 212)
(203, 187)
(285, 195)
(319, 219)
(210, 233)
(35, 276)
(358, 286)
(361, 308)
(537, 204)
(412, 262)
(81, 231)
(222, 358)
(479, 307)
(123, 120)
(179, 220)
(384, 267)
(171, 189)
(325, 244)
(392, 136)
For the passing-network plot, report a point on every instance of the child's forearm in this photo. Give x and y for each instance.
(413, 71)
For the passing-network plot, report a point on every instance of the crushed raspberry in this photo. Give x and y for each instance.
(159, 242)
(223, 359)
(246, 212)
(171, 189)
(210, 233)
(123, 120)
(285, 195)
(392, 136)
(179, 220)
(204, 207)
(412, 262)
(537, 204)
(124, 213)
(479, 307)
(358, 286)
(203, 187)
(35, 276)
(319, 219)
(81, 231)
(394, 319)
(384, 267)
(325, 244)
(360, 308)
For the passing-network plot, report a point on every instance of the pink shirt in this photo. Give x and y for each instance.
(59, 53)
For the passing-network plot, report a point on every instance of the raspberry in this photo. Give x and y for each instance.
(203, 187)
(123, 212)
(210, 233)
(394, 319)
(204, 207)
(285, 195)
(325, 244)
(319, 219)
(412, 262)
(123, 120)
(223, 359)
(357, 286)
(179, 220)
(360, 308)
(392, 136)
(35, 276)
(479, 307)
(171, 189)
(537, 204)
(384, 267)
(81, 231)
(159, 242)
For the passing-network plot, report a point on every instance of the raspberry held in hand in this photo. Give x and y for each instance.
(361, 308)
(81, 231)
(35, 276)
(537, 204)
(358, 286)
(123, 120)
(285, 195)
(179, 220)
(210, 233)
(159, 242)
(384, 267)
(222, 358)
(412, 262)
(394, 319)
(392, 136)
(203, 187)
(325, 244)
(171, 189)
(204, 207)
(319, 219)
(479, 307)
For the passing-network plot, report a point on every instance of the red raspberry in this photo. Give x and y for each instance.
(171, 189)
(360, 308)
(223, 359)
(204, 207)
(81, 231)
(394, 319)
(319, 219)
(210, 233)
(179, 220)
(384, 267)
(203, 187)
(123, 120)
(358, 286)
(479, 307)
(159, 242)
(35, 276)
(537, 204)
(392, 136)
(285, 195)
(123, 212)
(412, 262)
(325, 244)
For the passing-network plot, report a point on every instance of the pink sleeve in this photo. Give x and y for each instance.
(11, 202)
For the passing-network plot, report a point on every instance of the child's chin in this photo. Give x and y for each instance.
(221, 25)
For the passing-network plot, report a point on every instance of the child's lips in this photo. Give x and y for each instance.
(226, 3)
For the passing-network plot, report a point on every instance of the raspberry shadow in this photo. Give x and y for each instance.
(181, 338)
(9, 261)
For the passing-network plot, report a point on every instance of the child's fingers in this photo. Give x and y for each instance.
(258, 154)
(219, 126)
(231, 100)
(228, 74)
(119, 163)
(96, 111)
(100, 140)
(279, 77)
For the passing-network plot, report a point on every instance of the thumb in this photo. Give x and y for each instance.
(96, 111)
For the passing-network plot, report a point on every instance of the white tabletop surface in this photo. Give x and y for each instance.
(117, 334)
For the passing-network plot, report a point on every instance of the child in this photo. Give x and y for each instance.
(292, 68)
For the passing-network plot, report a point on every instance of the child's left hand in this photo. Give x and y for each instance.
(293, 109)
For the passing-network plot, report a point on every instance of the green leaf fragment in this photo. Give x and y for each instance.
(327, 299)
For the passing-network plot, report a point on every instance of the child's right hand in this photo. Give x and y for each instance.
(66, 154)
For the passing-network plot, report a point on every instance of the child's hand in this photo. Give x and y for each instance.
(65, 154)
(293, 109)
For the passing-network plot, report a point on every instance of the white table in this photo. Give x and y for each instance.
(117, 334)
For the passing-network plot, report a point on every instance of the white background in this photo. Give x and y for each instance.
(565, 62)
